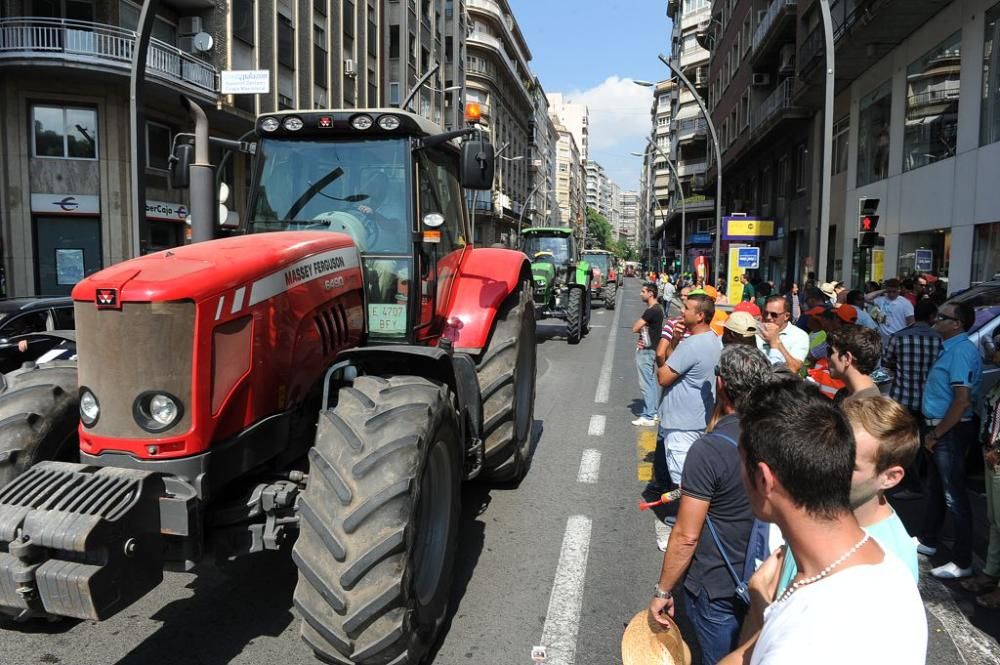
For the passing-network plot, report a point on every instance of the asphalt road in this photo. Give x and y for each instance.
(562, 561)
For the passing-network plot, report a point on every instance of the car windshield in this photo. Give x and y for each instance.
(599, 261)
(356, 187)
(985, 298)
(557, 246)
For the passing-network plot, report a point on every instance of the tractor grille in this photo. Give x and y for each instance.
(333, 328)
(123, 353)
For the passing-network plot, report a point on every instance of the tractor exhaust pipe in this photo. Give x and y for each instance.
(203, 206)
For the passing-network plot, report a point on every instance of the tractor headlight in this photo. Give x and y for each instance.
(292, 123)
(270, 124)
(90, 408)
(156, 411)
(361, 122)
(388, 122)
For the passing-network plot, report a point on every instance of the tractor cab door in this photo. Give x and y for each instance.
(441, 241)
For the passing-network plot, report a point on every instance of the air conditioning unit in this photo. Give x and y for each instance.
(761, 80)
(189, 25)
(349, 68)
(786, 59)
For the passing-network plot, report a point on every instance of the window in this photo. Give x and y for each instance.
(70, 133)
(932, 105)
(349, 18)
(783, 177)
(841, 130)
(394, 98)
(319, 6)
(372, 34)
(986, 252)
(873, 135)
(394, 41)
(157, 146)
(286, 42)
(244, 19)
(989, 129)
(801, 168)
(320, 57)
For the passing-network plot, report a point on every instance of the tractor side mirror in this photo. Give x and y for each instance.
(477, 165)
(180, 166)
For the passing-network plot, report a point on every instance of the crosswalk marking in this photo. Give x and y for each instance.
(590, 466)
(604, 382)
(645, 445)
(562, 621)
(597, 424)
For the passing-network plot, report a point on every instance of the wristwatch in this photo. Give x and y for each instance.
(662, 595)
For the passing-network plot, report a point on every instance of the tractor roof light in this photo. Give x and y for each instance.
(270, 124)
(388, 122)
(293, 123)
(473, 113)
(362, 122)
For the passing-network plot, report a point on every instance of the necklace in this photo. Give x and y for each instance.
(826, 571)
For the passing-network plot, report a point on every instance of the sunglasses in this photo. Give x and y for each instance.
(771, 315)
(945, 317)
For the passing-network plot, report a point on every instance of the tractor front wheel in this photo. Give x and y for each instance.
(610, 293)
(38, 416)
(575, 302)
(379, 522)
(506, 376)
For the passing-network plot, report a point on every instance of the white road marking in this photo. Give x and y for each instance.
(974, 647)
(604, 383)
(596, 427)
(594, 325)
(590, 467)
(562, 621)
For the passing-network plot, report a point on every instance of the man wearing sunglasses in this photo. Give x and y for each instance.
(779, 341)
(948, 400)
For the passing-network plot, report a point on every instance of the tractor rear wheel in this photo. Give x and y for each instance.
(610, 293)
(379, 522)
(574, 315)
(588, 307)
(38, 416)
(506, 375)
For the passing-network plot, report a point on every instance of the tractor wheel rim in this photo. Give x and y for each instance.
(435, 520)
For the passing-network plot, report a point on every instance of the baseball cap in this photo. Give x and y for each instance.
(741, 323)
(816, 311)
(749, 307)
(711, 292)
(847, 313)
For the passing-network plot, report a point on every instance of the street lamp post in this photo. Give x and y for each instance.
(680, 188)
(824, 206)
(520, 218)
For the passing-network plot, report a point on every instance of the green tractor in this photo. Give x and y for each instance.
(604, 286)
(562, 279)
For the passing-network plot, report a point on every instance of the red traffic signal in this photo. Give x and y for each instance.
(868, 223)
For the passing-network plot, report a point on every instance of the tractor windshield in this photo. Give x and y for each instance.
(557, 246)
(599, 261)
(356, 187)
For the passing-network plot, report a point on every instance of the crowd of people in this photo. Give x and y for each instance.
(786, 422)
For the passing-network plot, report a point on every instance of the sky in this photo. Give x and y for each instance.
(590, 50)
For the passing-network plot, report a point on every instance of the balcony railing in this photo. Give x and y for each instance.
(101, 45)
(685, 167)
(778, 101)
(689, 128)
(777, 8)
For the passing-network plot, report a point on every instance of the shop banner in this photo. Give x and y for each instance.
(878, 264)
(747, 228)
(735, 291)
(923, 260)
(66, 204)
(166, 211)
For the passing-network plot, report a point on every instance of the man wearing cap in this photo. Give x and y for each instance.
(739, 328)
(712, 488)
(780, 341)
(857, 300)
(898, 311)
(813, 298)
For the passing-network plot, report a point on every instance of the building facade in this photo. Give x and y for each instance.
(570, 179)
(628, 222)
(575, 117)
(542, 164)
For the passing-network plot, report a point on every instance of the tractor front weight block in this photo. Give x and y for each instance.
(79, 541)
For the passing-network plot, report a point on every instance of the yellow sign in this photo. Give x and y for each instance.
(735, 291)
(749, 228)
(878, 264)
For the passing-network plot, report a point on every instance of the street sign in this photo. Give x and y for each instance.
(923, 260)
(748, 258)
(246, 82)
(700, 239)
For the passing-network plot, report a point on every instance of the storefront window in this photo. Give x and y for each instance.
(932, 105)
(873, 135)
(986, 252)
(989, 130)
(929, 251)
(64, 132)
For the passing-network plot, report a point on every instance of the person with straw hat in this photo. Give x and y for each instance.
(648, 642)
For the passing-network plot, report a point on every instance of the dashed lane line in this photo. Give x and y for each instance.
(645, 447)
(974, 647)
(562, 621)
(604, 382)
(597, 424)
(590, 467)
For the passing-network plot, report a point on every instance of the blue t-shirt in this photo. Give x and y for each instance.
(688, 402)
(891, 536)
(958, 365)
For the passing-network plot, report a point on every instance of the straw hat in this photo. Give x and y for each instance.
(829, 289)
(646, 642)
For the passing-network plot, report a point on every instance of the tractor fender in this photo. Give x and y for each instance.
(456, 370)
(488, 277)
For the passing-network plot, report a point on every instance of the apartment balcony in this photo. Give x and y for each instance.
(778, 106)
(101, 47)
(691, 129)
(691, 20)
(776, 27)
(687, 167)
(693, 58)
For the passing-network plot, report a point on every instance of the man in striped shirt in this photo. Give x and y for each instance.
(910, 353)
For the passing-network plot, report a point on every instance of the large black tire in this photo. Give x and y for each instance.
(379, 522)
(575, 303)
(506, 375)
(588, 308)
(39, 414)
(610, 293)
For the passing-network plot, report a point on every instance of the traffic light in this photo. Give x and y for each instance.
(867, 219)
(868, 223)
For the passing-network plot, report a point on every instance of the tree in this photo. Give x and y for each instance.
(598, 229)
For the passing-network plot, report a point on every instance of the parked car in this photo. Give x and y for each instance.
(20, 316)
(985, 297)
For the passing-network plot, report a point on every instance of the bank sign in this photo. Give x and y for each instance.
(66, 204)
(747, 228)
(165, 211)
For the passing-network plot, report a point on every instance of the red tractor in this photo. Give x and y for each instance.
(322, 382)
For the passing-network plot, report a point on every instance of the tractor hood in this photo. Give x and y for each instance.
(195, 272)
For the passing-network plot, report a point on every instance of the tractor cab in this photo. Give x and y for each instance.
(562, 280)
(390, 180)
